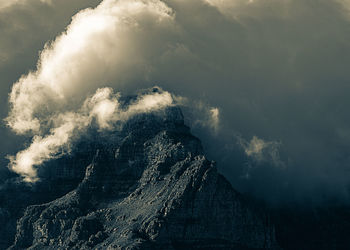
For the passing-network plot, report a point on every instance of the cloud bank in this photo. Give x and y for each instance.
(274, 69)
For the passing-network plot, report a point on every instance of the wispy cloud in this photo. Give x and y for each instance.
(102, 106)
(260, 152)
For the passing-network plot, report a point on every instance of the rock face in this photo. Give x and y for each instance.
(147, 186)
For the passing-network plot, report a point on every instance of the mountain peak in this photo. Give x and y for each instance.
(147, 185)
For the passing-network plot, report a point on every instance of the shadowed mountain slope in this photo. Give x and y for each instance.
(146, 185)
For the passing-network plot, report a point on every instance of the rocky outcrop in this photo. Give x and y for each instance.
(148, 186)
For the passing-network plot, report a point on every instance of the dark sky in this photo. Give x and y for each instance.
(276, 70)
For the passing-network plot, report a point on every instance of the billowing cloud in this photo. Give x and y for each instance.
(102, 106)
(271, 68)
(67, 67)
(100, 46)
(25, 27)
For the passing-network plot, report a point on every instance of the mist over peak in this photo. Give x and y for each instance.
(102, 109)
(262, 83)
(108, 101)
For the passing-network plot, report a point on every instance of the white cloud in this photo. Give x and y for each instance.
(44, 148)
(101, 45)
(261, 151)
(103, 106)
(149, 101)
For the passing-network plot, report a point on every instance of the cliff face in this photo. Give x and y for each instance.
(148, 185)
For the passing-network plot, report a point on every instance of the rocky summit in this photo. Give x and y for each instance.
(145, 185)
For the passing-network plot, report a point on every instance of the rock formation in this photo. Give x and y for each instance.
(146, 185)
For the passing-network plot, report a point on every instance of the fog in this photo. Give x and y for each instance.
(264, 83)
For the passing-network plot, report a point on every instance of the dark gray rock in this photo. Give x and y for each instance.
(148, 186)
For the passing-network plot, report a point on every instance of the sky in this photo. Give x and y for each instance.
(263, 83)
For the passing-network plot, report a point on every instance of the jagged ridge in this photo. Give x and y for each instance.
(149, 186)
